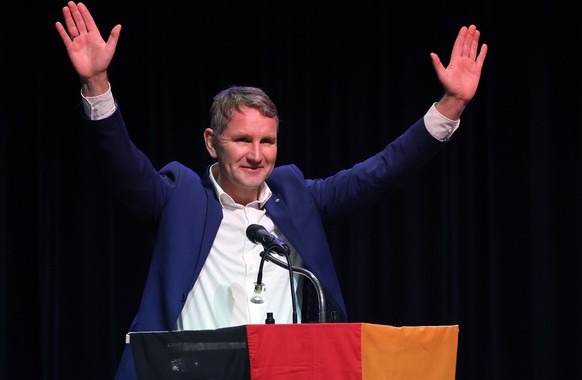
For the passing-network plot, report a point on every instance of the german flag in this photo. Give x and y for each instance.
(318, 351)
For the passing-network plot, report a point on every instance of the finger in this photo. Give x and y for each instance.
(474, 45)
(459, 43)
(77, 17)
(63, 33)
(69, 21)
(482, 55)
(468, 43)
(87, 18)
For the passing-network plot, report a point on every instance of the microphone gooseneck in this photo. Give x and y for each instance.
(259, 235)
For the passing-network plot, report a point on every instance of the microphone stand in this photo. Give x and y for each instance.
(266, 255)
(259, 286)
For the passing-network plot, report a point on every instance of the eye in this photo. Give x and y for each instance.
(269, 141)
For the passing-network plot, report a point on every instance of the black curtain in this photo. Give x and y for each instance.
(486, 236)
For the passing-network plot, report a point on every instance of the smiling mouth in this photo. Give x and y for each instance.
(253, 168)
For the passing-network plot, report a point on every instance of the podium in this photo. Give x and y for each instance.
(355, 351)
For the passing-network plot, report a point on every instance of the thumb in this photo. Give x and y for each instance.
(114, 37)
(436, 63)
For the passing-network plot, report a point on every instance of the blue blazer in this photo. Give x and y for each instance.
(187, 214)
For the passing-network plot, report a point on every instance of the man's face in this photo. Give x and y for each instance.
(246, 152)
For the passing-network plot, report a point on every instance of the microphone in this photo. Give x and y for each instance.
(259, 235)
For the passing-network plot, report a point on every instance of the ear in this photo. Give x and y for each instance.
(210, 142)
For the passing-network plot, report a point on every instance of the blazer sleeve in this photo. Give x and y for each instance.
(363, 184)
(127, 170)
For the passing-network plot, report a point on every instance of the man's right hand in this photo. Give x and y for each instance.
(88, 52)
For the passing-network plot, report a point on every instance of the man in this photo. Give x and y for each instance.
(203, 266)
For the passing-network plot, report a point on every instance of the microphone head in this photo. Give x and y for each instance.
(253, 233)
(259, 235)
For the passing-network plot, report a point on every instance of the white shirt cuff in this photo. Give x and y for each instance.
(99, 107)
(440, 127)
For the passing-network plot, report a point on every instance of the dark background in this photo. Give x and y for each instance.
(486, 236)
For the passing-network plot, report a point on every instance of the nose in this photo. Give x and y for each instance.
(254, 153)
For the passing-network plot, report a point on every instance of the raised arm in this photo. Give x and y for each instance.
(460, 78)
(88, 52)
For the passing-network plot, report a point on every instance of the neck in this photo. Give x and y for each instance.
(240, 196)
